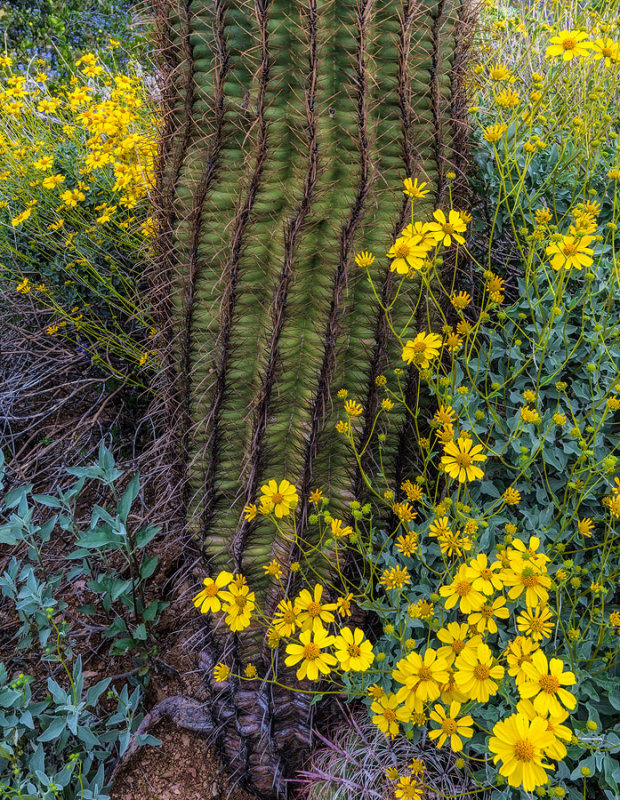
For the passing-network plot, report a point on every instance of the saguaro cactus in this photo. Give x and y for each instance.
(290, 126)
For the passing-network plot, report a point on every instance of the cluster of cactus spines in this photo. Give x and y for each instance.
(351, 762)
(289, 129)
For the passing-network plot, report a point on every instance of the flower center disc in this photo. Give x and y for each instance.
(277, 498)
(449, 726)
(311, 651)
(314, 609)
(401, 250)
(549, 683)
(211, 590)
(354, 651)
(482, 672)
(463, 460)
(425, 674)
(524, 750)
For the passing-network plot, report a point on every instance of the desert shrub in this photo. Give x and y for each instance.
(59, 737)
(55, 29)
(76, 164)
(490, 572)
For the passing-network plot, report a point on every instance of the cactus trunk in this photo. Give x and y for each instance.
(290, 128)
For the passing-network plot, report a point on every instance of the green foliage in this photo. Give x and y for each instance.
(60, 740)
(111, 556)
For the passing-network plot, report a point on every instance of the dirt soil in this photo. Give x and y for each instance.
(182, 768)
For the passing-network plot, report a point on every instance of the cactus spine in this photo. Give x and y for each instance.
(291, 124)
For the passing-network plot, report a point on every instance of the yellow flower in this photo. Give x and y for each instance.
(43, 163)
(485, 576)
(460, 300)
(353, 650)
(343, 605)
(529, 414)
(507, 98)
(316, 496)
(21, 217)
(404, 511)
(280, 498)
(511, 496)
(570, 252)
(423, 234)
(556, 750)
(462, 591)
(339, 529)
(499, 72)
(559, 419)
(460, 457)
(364, 259)
(24, 286)
(476, 675)
(239, 603)
(422, 350)
(455, 639)
(414, 189)
(48, 105)
(568, 45)
(274, 569)
(310, 611)
(387, 404)
(413, 492)
(72, 197)
(545, 685)
(518, 653)
(407, 543)
(388, 712)
(483, 619)
(353, 408)
(408, 788)
(342, 426)
(450, 228)
(395, 578)
(421, 678)
(406, 254)
(451, 726)
(585, 526)
(52, 181)
(536, 623)
(250, 671)
(285, 620)
(250, 511)
(309, 651)
(520, 745)
(493, 133)
(208, 599)
(417, 767)
(221, 672)
(543, 216)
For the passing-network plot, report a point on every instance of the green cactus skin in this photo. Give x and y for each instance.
(290, 127)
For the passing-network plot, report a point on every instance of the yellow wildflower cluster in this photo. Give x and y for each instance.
(438, 685)
(76, 169)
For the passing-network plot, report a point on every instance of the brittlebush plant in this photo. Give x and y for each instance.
(76, 170)
(495, 583)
